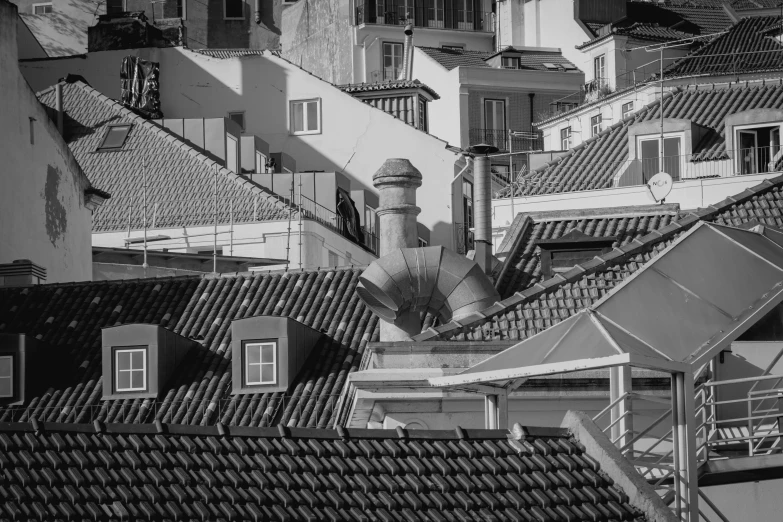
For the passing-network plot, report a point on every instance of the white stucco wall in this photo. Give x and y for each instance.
(42, 212)
(550, 23)
(445, 112)
(356, 138)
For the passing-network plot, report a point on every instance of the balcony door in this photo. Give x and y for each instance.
(435, 13)
(392, 60)
(495, 123)
(656, 158)
(466, 15)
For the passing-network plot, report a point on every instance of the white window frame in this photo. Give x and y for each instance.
(594, 132)
(291, 106)
(50, 4)
(143, 369)
(599, 62)
(565, 142)
(261, 162)
(651, 137)
(626, 112)
(244, 122)
(232, 17)
(392, 45)
(747, 128)
(246, 363)
(10, 376)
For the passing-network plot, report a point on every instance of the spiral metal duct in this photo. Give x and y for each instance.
(430, 279)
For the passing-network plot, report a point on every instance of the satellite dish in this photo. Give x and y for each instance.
(660, 185)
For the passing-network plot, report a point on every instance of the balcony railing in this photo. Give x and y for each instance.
(379, 13)
(507, 141)
(356, 233)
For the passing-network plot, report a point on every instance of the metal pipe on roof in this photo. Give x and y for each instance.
(258, 11)
(483, 215)
(406, 72)
(58, 90)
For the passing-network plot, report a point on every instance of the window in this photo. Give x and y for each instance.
(495, 123)
(260, 363)
(595, 124)
(566, 106)
(182, 9)
(599, 70)
(115, 136)
(565, 138)
(306, 116)
(453, 47)
(392, 60)
(627, 108)
(371, 220)
(422, 243)
(233, 10)
(510, 62)
(334, 259)
(7, 376)
(574, 248)
(423, 125)
(232, 153)
(42, 8)
(130, 369)
(758, 149)
(238, 117)
(260, 163)
(466, 236)
(656, 158)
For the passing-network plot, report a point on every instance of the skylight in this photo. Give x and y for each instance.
(115, 136)
(550, 65)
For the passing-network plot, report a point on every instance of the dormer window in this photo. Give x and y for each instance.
(260, 363)
(510, 62)
(130, 365)
(757, 148)
(658, 154)
(6, 376)
(563, 254)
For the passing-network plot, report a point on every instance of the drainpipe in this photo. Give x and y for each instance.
(58, 90)
(406, 72)
(483, 222)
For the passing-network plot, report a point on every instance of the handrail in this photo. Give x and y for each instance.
(713, 507)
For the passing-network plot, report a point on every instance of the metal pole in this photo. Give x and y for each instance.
(688, 436)
(491, 412)
(676, 451)
(288, 241)
(231, 228)
(214, 235)
(144, 193)
(300, 218)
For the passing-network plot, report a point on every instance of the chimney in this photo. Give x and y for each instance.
(483, 222)
(58, 105)
(407, 62)
(21, 272)
(257, 5)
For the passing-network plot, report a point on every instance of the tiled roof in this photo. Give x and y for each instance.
(180, 177)
(386, 86)
(522, 267)
(643, 31)
(546, 303)
(745, 48)
(451, 58)
(165, 472)
(594, 163)
(709, 20)
(69, 317)
(228, 53)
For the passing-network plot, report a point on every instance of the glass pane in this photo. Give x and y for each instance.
(123, 360)
(137, 361)
(268, 373)
(268, 353)
(123, 380)
(671, 157)
(5, 366)
(137, 379)
(253, 354)
(312, 116)
(115, 136)
(253, 373)
(649, 154)
(234, 8)
(298, 117)
(6, 387)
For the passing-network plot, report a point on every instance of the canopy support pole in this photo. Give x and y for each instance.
(619, 385)
(686, 480)
(496, 410)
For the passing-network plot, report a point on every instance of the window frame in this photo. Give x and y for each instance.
(514, 60)
(423, 243)
(392, 44)
(103, 148)
(423, 117)
(600, 59)
(292, 104)
(233, 17)
(244, 122)
(116, 351)
(275, 362)
(599, 124)
(565, 140)
(657, 137)
(750, 127)
(44, 4)
(623, 110)
(11, 358)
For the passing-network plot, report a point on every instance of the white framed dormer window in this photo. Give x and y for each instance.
(596, 124)
(42, 8)
(627, 108)
(130, 369)
(260, 363)
(233, 10)
(510, 62)
(565, 138)
(660, 155)
(306, 116)
(6, 376)
(757, 148)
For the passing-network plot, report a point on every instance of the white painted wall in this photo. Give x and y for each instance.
(689, 194)
(42, 212)
(268, 239)
(550, 23)
(356, 138)
(445, 112)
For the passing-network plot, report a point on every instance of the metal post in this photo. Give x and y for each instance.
(677, 456)
(144, 194)
(686, 446)
(491, 412)
(231, 227)
(619, 385)
(214, 236)
(300, 218)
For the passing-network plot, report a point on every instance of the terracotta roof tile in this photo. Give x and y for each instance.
(387, 85)
(168, 161)
(451, 58)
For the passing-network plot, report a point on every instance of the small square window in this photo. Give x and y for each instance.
(306, 116)
(510, 62)
(596, 124)
(233, 9)
(6, 376)
(238, 117)
(42, 9)
(627, 108)
(260, 363)
(115, 137)
(130, 369)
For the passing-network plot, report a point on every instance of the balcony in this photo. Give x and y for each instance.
(390, 14)
(352, 231)
(507, 141)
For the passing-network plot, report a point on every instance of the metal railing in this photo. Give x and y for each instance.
(317, 212)
(507, 140)
(634, 172)
(386, 13)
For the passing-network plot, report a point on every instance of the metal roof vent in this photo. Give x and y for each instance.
(22, 272)
(403, 285)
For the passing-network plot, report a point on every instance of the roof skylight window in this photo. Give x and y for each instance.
(115, 136)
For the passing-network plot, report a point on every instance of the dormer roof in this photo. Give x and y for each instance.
(531, 58)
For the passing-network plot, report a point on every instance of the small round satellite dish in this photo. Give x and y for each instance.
(660, 185)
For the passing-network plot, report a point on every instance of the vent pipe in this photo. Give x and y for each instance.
(258, 11)
(58, 105)
(483, 215)
(406, 73)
